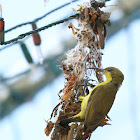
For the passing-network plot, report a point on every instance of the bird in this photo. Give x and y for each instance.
(96, 105)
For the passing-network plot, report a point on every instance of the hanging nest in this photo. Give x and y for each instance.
(90, 35)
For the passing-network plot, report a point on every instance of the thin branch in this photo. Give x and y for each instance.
(37, 19)
(21, 36)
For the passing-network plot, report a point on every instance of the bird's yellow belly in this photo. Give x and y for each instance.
(83, 107)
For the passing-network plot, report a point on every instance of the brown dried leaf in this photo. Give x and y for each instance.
(72, 107)
(105, 31)
(99, 77)
(101, 36)
(68, 89)
(86, 40)
(96, 4)
(73, 31)
(74, 113)
(54, 112)
(61, 116)
(71, 131)
(49, 128)
(86, 14)
(66, 96)
(64, 68)
(93, 17)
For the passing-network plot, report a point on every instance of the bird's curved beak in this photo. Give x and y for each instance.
(98, 69)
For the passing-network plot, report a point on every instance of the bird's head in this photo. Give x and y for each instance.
(112, 73)
(116, 74)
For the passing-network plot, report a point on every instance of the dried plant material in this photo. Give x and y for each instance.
(93, 17)
(65, 97)
(101, 36)
(80, 9)
(48, 128)
(72, 107)
(54, 112)
(90, 35)
(72, 27)
(71, 131)
(68, 91)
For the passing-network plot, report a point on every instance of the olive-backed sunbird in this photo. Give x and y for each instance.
(96, 105)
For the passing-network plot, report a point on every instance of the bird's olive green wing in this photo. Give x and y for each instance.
(94, 112)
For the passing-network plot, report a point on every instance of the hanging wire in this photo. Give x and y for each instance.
(5, 47)
(34, 21)
(21, 36)
(37, 19)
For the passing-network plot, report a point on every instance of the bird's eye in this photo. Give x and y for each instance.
(109, 70)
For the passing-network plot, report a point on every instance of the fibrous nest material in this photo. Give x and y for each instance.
(90, 35)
